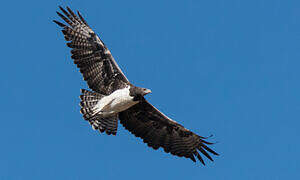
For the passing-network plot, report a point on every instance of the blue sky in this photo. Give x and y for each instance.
(225, 67)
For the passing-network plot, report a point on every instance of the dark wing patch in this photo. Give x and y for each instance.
(90, 54)
(157, 130)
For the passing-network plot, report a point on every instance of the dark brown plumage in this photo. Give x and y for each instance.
(90, 54)
(104, 76)
(157, 130)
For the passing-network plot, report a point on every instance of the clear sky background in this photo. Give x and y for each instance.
(224, 67)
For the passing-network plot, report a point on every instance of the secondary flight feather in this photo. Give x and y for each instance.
(114, 98)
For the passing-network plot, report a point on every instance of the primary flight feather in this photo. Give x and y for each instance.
(114, 98)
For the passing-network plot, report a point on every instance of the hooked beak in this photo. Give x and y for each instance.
(147, 91)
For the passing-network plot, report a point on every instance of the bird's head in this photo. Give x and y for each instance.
(138, 92)
(142, 91)
(145, 91)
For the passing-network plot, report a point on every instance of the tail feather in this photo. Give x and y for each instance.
(103, 124)
(88, 102)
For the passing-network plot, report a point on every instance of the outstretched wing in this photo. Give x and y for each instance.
(90, 54)
(157, 130)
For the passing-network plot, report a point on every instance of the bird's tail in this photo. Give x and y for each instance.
(89, 100)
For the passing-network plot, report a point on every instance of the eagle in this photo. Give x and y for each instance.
(114, 98)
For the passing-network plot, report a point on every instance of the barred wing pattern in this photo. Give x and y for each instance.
(104, 76)
(90, 54)
(157, 130)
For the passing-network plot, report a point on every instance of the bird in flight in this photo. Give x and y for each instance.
(114, 98)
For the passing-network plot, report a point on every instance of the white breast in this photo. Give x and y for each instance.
(116, 102)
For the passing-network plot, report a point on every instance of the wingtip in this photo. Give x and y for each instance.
(209, 150)
(81, 18)
(206, 155)
(61, 8)
(59, 23)
(206, 137)
(199, 158)
(193, 158)
(79, 14)
(69, 9)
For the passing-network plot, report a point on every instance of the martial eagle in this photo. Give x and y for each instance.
(114, 97)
